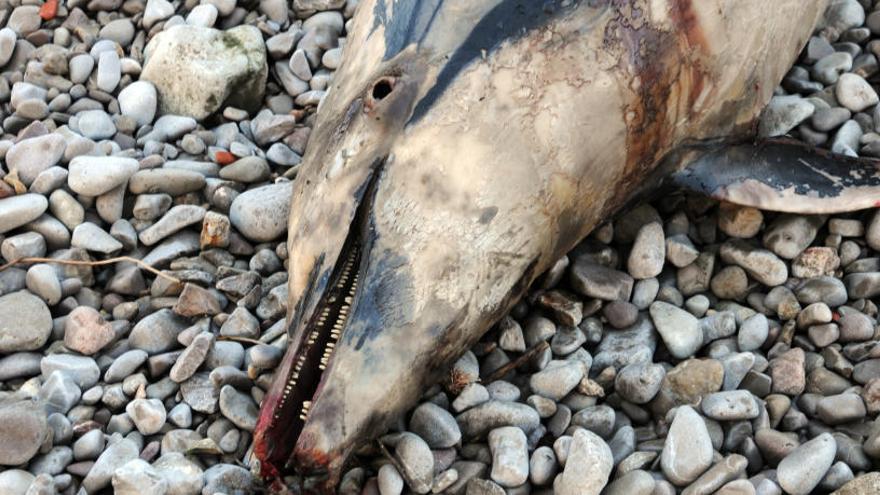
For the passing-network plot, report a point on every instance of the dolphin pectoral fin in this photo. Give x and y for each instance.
(782, 175)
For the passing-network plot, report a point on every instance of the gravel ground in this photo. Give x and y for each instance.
(684, 347)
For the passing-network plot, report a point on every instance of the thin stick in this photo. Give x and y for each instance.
(108, 261)
(516, 363)
(234, 338)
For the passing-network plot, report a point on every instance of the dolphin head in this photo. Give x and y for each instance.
(399, 257)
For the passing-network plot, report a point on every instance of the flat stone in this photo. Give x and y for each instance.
(802, 470)
(25, 322)
(32, 156)
(687, 452)
(86, 332)
(16, 211)
(679, 329)
(96, 175)
(260, 214)
(588, 465)
(23, 428)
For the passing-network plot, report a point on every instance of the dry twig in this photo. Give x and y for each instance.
(108, 261)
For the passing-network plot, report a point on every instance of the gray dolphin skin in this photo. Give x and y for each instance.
(464, 147)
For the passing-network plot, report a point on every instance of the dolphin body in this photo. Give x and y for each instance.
(465, 146)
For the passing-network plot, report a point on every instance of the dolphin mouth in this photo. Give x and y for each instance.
(309, 357)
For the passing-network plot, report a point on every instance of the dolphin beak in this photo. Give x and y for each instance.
(324, 304)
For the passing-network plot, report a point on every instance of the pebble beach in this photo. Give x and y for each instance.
(148, 150)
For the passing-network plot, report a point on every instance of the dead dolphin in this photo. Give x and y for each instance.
(464, 147)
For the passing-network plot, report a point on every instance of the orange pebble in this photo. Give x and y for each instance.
(49, 9)
(224, 157)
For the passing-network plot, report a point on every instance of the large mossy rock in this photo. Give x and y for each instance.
(199, 70)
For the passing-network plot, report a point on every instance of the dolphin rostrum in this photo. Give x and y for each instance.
(465, 146)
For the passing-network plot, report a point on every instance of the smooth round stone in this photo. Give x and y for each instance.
(96, 175)
(172, 181)
(7, 44)
(588, 464)
(92, 238)
(238, 408)
(43, 281)
(20, 364)
(25, 322)
(32, 109)
(139, 101)
(227, 478)
(24, 20)
(679, 329)
(15, 481)
(841, 408)
(95, 124)
(182, 474)
(248, 170)
(480, 419)
(730, 406)
(688, 451)
(753, 332)
(855, 327)
(802, 469)
(260, 214)
(558, 379)
(855, 93)
(202, 15)
(84, 370)
(416, 460)
(147, 414)
(783, 114)
(435, 425)
(120, 30)
(639, 382)
(16, 211)
(510, 456)
(89, 446)
(648, 252)
(109, 71)
(23, 428)
(80, 68)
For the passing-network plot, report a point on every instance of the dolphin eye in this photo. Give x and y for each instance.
(382, 88)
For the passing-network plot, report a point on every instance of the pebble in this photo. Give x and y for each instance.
(139, 101)
(192, 357)
(753, 333)
(648, 252)
(854, 93)
(23, 429)
(479, 420)
(148, 415)
(238, 408)
(137, 477)
(588, 465)
(510, 456)
(95, 124)
(731, 405)
(25, 322)
(32, 156)
(435, 425)
(687, 451)
(389, 480)
(558, 379)
(260, 214)
(19, 210)
(802, 469)
(86, 332)
(417, 462)
(96, 175)
(679, 329)
(783, 114)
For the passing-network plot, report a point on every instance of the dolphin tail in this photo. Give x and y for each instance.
(781, 175)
